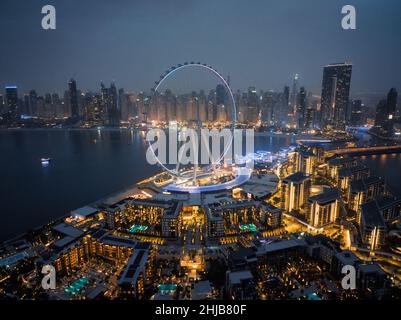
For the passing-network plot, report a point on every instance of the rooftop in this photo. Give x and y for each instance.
(68, 230)
(370, 268)
(296, 177)
(84, 212)
(235, 277)
(363, 184)
(326, 197)
(347, 257)
(347, 172)
(371, 215)
(281, 245)
(64, 242)
(134, 267)
(270, 207)
(337, 162)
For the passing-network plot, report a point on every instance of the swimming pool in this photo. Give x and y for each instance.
(76, 286)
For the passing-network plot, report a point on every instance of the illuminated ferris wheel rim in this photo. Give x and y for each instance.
(173, 69)
(209, 68)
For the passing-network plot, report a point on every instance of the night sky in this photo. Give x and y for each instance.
(259, 43)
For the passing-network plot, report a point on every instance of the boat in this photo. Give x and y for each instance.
(45, 161)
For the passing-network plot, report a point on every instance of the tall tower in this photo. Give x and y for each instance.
(12, 102)
(73, 98)
(293, 101)
(113, 112)
(385, 113)
(301, 108)
(335, 94)
(392, 102)
(253, 105)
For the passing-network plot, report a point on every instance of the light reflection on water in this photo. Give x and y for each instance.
(88, 165)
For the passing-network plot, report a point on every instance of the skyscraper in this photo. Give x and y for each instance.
(252, 105)
(123, 99)
(286, 95)
(335, 94)
(356, 112)
(301, 108)
(268, 105)
(25, 108)
(391, 109)
(113, 110)
(12, 102)
(33, 103)
(73, 98)
(285, 106)
(221, 103)
(294, 94)
(385, 113)
(221, 95)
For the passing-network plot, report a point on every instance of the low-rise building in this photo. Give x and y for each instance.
(132, 279)
(171, 222)
(240, 285)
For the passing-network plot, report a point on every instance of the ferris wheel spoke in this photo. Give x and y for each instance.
(197, 170)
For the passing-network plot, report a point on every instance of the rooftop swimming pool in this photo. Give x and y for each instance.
(248, 227)
(165, 289)
(313, 296)
(77, 286)
(137, 227)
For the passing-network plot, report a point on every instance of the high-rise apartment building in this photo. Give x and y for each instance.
(335, 95)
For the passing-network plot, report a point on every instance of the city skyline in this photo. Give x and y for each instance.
(200, 150)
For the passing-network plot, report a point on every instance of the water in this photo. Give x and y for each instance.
(88, 165)
(85, 166)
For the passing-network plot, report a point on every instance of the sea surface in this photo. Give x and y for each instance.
(87, 165)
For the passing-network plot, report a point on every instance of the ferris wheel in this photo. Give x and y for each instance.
(179, 173)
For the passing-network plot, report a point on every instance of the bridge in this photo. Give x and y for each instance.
(366, 151)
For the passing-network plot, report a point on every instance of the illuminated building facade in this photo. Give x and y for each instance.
(305, 161)
(336, 164)
(346, 175)
(365, 190)
(272, 215)
(372, 226)
(324, 208)
(214, 224)
(252, 105)
(373, 218)
(295, 190)
(171, 222)
(136, 272)
(335, 94)
(386, 114)
(98, 243)
(224, 219)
